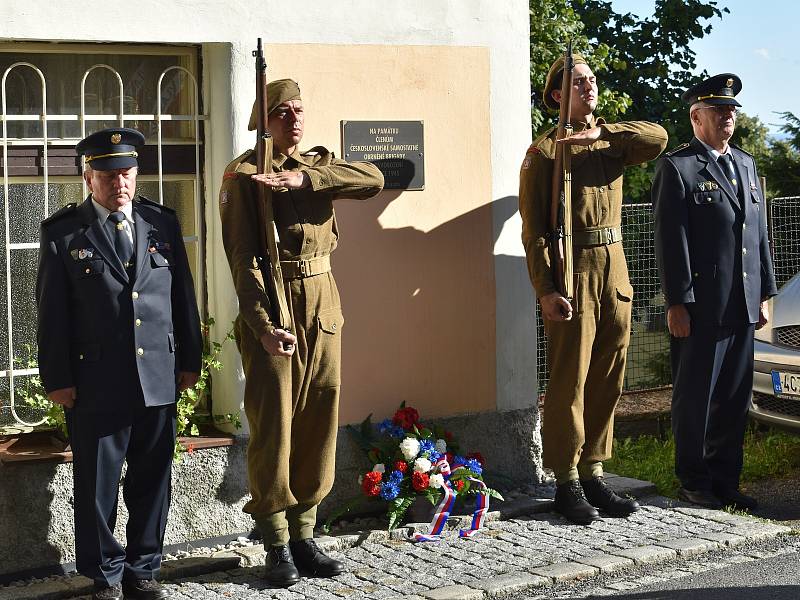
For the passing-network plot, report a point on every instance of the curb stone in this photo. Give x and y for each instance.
(516, 534)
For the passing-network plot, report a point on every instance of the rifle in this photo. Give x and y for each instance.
(561, 202)
(269, 260)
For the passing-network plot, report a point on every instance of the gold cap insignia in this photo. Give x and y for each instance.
(729, 83)
(116, 138)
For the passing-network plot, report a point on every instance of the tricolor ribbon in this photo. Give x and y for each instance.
(445, 505)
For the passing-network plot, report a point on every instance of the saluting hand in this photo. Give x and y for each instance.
(555, 307)
(679, 322)
(279, 343)
(587, 137)
(291, 180)
(64, 396)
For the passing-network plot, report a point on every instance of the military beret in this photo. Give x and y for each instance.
(278, 92)
(719, 89)
(556, 68)
(110, 149)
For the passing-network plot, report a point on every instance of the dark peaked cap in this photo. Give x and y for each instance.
(717, 90)
(110, 149)
(278, 92)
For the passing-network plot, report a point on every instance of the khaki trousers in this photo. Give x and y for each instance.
(292, 406)
(586, 356)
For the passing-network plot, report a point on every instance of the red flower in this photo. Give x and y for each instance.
(420, 481)
(448, 436)
(449, 456)
(372, 483)
(190, 449)
(458, 484)
(406, 417)
(479, 457)
(400, 465)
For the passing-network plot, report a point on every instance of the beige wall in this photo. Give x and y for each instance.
(415, 269)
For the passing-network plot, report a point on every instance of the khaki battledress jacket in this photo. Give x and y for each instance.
(291, 403)
(588, 352)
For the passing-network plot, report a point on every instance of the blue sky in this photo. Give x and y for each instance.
(757, 40)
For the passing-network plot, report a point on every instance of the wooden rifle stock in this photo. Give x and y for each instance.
(561, 200)
(269, 259)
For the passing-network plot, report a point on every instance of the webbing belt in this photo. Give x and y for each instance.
(603, 236)
(298, 269)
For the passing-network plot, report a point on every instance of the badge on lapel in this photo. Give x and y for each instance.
(156, 246)
(82, 253)
(707, 186)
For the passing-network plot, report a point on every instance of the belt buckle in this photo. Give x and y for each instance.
(303, 268)
(609, 234)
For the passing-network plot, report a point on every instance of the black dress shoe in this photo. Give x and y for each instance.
(702, 498)
(143, 589)
(310, 558)
(604, 498)
(281, 570)
(571, 503)
(107, 592)
(736, 499)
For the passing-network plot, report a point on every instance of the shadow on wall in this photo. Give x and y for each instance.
(420, 308)
(36, 526)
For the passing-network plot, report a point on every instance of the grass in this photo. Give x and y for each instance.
(767, 454)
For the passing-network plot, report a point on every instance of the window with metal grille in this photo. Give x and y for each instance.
(53, 95)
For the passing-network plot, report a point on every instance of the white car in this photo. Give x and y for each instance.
(776, 377)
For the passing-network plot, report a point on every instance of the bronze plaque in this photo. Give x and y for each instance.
(397, 148)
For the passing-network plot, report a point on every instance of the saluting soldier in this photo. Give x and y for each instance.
(119, 338)
(588, 338)
(716, 272)
(292, 378)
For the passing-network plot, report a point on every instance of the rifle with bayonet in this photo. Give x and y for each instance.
(269, 260)
(561, 200)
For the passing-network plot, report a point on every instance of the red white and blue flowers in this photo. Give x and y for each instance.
(411, 460)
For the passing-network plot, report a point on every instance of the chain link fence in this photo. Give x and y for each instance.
(648, 354)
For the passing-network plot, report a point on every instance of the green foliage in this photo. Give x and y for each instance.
(30, 391)
(188, 420)
(767, 454)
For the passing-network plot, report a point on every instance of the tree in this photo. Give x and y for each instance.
(781, 165)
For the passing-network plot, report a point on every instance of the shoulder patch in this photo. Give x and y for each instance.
(677, 149)
(61, 212)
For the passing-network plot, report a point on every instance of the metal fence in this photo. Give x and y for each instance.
(648, 353)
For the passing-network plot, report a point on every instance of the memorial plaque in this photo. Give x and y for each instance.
(395, 147)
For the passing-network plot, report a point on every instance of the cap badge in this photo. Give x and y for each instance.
(116, 138)
(729, 83)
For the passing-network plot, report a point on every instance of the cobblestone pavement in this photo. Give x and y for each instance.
(522, 551)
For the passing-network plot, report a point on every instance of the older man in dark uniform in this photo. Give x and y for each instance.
(587, 340)
(716, 273)
(119, 338)
(292, 378)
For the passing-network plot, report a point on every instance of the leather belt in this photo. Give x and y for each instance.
(299, 269)
(602, 236)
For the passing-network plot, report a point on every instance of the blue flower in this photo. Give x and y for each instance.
(434, 456)
(397, 432)
(385, 426)
(473, 465)
(396, 477)
(458, 460)
(389, 490)
(426, 446)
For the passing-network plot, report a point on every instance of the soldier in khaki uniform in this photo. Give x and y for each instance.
(588, 338)
(292, 378)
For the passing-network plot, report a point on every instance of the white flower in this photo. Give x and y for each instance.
(410, 448)
(441, 446)
(379, 468)
(422, 464)
(437, 480)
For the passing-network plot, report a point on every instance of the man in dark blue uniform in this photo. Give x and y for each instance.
(119, 338)
(716, 273)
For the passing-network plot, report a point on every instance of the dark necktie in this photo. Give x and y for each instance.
(122, 243)
(726, 161)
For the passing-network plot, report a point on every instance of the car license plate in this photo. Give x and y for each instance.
(786, 384)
